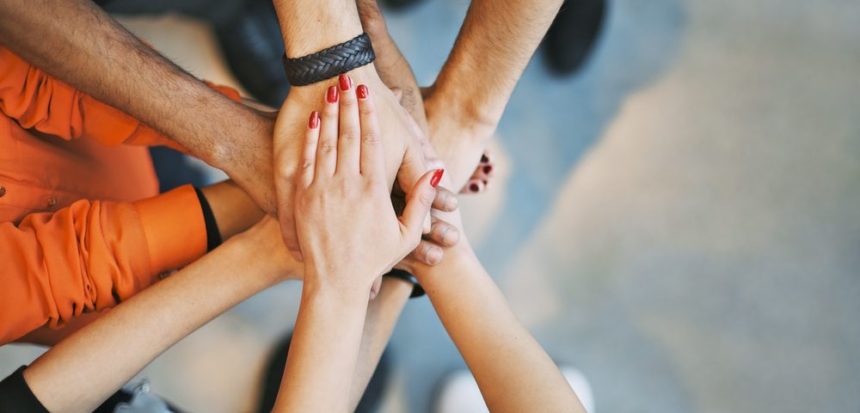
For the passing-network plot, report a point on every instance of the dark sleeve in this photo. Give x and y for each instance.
(213, 234)
(16, 396)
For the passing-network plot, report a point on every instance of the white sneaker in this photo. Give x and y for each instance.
(459, 392)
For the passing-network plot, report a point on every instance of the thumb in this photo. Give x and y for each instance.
(418, 204)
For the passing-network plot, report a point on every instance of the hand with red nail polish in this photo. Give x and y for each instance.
(348, 231)
(401, 144)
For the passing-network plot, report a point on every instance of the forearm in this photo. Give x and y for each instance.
(96, 55)
(390, 63)
(382, 315)
(83, 370)
(233, 209)
(512, 370)
(496, 42)
(323, 351)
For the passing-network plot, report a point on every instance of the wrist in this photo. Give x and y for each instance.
(453, 257)
(319, 288)
(326, 24)
(461, 112)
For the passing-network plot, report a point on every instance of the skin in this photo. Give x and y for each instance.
(79, 373)
(300, 21)
(467, 101)
(342, 206)
(112, 65)
(338, 270)
(466, 127)
(92, 52)
(513, 372)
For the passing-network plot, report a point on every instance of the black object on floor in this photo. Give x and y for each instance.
(253, 47)
(173, 169)
(573, 34)
(400, 4)
(275, 370)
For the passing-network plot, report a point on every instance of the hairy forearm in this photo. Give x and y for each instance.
(83, 370)
(493, 48)
(323, 351)
(308, 26)
(382, 315)
(79, 43)
(479, 321)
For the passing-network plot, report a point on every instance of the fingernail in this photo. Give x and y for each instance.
(331, 96)
(437, 176)
(474, 187)
(361, 91)
(488, 169)
(345, 82)
(314, 121)
(484, 158)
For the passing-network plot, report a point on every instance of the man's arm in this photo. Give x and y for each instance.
(496, 42)
(79, 43)
(466, 102)
(309, 26)
(83, 370)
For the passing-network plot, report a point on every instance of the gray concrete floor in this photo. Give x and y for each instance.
(681, 221)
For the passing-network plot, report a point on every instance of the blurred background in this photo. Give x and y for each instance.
(679, 219)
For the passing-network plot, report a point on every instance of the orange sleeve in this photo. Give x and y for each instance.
(38, 101)
(91, 256)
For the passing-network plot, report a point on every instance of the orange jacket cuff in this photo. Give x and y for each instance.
(174, 228)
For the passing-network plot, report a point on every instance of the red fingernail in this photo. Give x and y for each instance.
(484, 158)
(437, 176)
(474, 187)
(361, 91)
(331, 96)
(345, 82)
(488, 169)
(314, 121)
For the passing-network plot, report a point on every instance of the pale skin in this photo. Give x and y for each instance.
(468, 128)
(341, 181)
(341, 185)
(79, 373)
(512, 370)
(473, 115)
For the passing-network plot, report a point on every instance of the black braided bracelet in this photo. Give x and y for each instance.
(417, 290)
(330, 62)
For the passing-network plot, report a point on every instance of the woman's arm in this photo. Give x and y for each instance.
(83, 370)
(512, 370)
(349, 235)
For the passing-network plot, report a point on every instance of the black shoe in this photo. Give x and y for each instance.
(275, 370)
(253, 46)
(572, 36)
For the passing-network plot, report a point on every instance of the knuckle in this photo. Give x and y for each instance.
(426, 197)
(348, 135)
(370, 138)
(307, 162)
(327, 147)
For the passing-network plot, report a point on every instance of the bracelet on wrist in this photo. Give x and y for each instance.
(417, 290)
(330, 62)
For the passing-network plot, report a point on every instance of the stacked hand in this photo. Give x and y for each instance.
(347, 230)
(402, 158)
